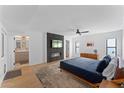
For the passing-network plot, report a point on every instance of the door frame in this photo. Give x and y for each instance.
(67, 50)
(3, 59)
(14, 46)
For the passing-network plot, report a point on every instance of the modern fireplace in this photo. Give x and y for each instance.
(56, 54)
(55, 47)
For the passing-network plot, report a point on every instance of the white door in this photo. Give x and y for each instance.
(4, 50)
(3, 54)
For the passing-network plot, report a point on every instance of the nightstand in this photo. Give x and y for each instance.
(116, 83)
(120, 74)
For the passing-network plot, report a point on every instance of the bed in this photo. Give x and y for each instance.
(84, 68)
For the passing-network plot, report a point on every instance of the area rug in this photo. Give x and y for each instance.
(13, 74)
(51, 77)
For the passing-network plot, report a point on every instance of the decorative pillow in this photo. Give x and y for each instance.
(102, 65)
(110, 70)
(107, 58)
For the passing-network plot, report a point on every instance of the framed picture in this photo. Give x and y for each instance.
(90, 44)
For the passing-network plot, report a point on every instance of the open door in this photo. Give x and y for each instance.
(67, 48)
(21, 51)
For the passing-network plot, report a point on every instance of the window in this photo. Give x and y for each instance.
(111, 47)
(2, 45)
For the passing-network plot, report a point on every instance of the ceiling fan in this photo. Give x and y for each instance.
(78, 32)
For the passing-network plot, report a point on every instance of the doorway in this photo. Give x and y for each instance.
(67, 48)
(21, 51)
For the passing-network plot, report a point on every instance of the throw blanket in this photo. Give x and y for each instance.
(110, 70)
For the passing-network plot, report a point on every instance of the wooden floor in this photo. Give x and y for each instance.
(27, 80)
(109, 84)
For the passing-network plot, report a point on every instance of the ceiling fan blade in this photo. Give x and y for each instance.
(78, 33)
(85, 32)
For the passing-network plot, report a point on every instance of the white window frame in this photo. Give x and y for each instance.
(111, 46)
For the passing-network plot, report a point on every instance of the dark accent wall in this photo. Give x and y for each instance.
(51, 51)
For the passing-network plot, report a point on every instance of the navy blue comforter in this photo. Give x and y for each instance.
(84, 68)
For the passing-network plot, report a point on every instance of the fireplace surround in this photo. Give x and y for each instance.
(54, 54)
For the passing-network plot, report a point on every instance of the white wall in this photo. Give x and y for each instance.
(37, 48)
(3, 60)
(99, 41)
(11, 58)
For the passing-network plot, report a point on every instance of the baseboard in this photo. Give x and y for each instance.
(1, 79)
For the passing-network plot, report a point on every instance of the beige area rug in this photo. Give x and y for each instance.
(51, 77)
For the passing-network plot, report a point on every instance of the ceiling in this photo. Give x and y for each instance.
(62, 19)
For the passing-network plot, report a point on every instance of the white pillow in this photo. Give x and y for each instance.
(110, 70)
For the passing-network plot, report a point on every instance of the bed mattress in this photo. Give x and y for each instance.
(84, 68)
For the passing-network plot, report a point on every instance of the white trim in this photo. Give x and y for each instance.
(2, 78)
(4, 58)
